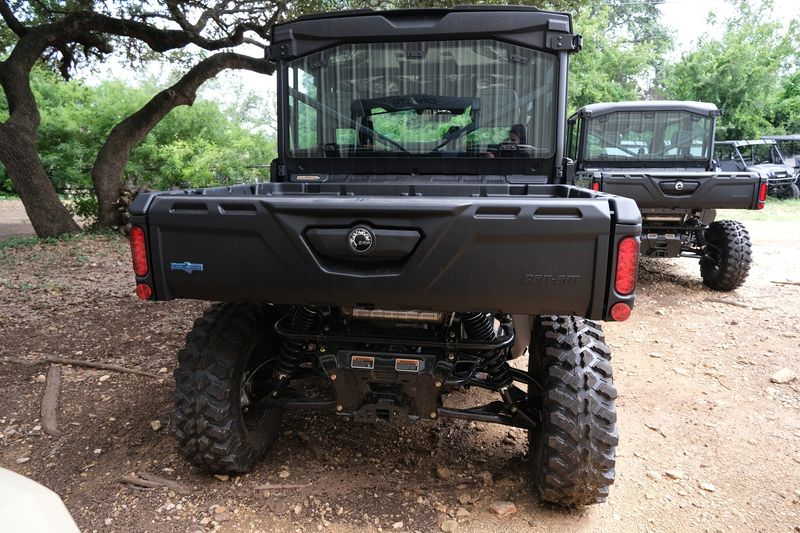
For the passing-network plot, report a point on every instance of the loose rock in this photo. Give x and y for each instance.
(486, 477)
(503, 509)
(444, 473)
(155, 425)
(449, 526)
(397, 525)
(40, 378)
(675, 474)
(708, 487)
(783, 376)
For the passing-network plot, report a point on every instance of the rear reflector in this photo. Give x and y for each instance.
(620, 312)
(138, 251)
(762, 196)
(595, 185)
(143, 291)
(627, 263)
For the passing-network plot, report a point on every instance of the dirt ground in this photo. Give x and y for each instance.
(696, 406)
(13, 220)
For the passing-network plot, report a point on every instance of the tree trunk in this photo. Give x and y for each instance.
(46, 212)
(18, 142)
(108, 171)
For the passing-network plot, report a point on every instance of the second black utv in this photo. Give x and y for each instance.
(661, 155)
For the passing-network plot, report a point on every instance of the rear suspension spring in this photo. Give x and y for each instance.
(480, 326)
(305, 319)
(699, 231)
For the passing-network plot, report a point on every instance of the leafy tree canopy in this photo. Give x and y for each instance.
(741, 71)
(612, 67)
(205, 144)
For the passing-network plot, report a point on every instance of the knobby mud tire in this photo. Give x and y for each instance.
(728, 262)
(213, 432)
(573, 450)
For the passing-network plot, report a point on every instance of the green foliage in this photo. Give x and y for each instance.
(787, 108)
(84, 204)
(741, 71)
(610, 67)
(198, 145)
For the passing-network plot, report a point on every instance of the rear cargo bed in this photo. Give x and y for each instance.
(529, 249)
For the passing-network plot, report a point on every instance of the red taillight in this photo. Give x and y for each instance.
(595, 185)
(143, 291)
(627, 263)
(138, 251)
(762, 196)
(620, 311)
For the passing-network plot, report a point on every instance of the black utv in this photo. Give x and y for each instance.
(764, 157)
(418, 233)
(661, 155)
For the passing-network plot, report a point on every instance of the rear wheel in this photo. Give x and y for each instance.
(572, 450)
(728, 255)
(229, 354)
(792, 192)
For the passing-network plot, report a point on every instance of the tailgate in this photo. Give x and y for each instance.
(528, 254)
(688, 190)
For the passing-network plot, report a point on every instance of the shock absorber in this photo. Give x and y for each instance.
(305, 319)
(480, 326)
(699, 231)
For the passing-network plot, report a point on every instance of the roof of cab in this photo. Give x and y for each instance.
(517, 25)
(747, 142)
(600, 109)
(793, 137)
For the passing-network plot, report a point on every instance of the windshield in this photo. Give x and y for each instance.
(790, 151)
(760, 154)
(477, 98)
(649, 136)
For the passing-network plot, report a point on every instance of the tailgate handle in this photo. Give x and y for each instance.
(678, 187)
(363, 243)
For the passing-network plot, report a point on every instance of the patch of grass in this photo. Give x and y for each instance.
(774, 211)
(21, 242)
